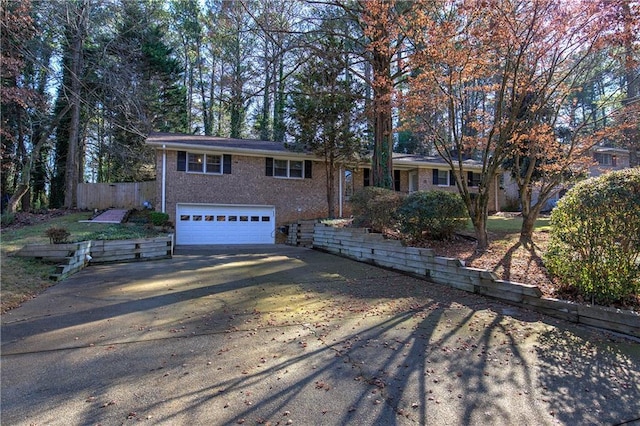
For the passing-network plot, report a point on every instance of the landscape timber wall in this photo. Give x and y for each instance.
(359, 244)
(301, 233)
(72, 257)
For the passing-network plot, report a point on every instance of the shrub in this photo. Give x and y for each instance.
(158, 218)
(57, 235)
(433, 214)
(375, 207)
(595, 237)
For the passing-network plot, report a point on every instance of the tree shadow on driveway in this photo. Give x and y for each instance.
(294, 335)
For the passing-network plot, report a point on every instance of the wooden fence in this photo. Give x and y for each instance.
(119, 195)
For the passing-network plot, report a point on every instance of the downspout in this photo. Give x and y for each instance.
(495, 195)
(164, 178)
(340, 176)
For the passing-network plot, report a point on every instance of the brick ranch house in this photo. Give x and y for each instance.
(236, 191)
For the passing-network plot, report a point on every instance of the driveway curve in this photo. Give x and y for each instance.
(284, 335)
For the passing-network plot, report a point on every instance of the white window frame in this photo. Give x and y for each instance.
(447, 183)
(288, 168)
(204, 163)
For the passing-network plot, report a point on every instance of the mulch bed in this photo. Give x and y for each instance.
(509, 260)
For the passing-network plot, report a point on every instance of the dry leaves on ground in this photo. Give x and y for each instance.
(512, 261)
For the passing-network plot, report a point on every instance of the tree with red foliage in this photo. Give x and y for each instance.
(495, 80)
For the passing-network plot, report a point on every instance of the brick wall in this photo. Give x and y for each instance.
(425, 183)
(294, 199)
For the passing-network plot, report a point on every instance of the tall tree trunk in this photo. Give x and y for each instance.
(279, 104)
(479, 220)
(633, 83)
(382, 162)
(529, 215)
(23, 185)
(72, 166)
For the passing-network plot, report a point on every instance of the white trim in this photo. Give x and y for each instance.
(164, 179)
(340, 194)
(288, 176)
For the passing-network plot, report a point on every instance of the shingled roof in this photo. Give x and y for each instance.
(180, 141)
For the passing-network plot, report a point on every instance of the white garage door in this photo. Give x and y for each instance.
(225, 224)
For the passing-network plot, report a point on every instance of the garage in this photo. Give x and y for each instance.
(224, 224)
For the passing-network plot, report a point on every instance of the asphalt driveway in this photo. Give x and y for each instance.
(284, 335)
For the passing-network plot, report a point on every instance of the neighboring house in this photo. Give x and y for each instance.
(608, 159)
(236, 191)
(605, 160)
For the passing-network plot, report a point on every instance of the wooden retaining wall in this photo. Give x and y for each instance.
(360, 245)
(131, 250)
(301, 233)
(75, 256)
(127, 195)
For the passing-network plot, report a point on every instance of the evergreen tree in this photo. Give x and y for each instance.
(322, 111)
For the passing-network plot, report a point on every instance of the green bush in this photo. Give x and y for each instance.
(595, 237)
(159, 218)
(432, 214)
(375, 208)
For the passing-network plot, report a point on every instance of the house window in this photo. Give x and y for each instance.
(195, 162)
(473, 179)
(605, 159)
(281, 168)
(441, 177)
(293, 169)
(204, 163)
(366, 180)
(214, 164)
(348, 183)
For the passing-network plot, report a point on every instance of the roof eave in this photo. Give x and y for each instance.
(229, 150)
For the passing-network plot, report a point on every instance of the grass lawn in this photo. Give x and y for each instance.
(23, 278)
(511, 225)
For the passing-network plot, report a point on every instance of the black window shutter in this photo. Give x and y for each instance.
(367, 177)
(470, 178)
(452, 180)
(269, 166)
(308, 165)
(226, 164)
(396, 180)
(614, 160)
(435, 177)
(182, 161)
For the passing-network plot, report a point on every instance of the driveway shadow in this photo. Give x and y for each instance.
(249, 337)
